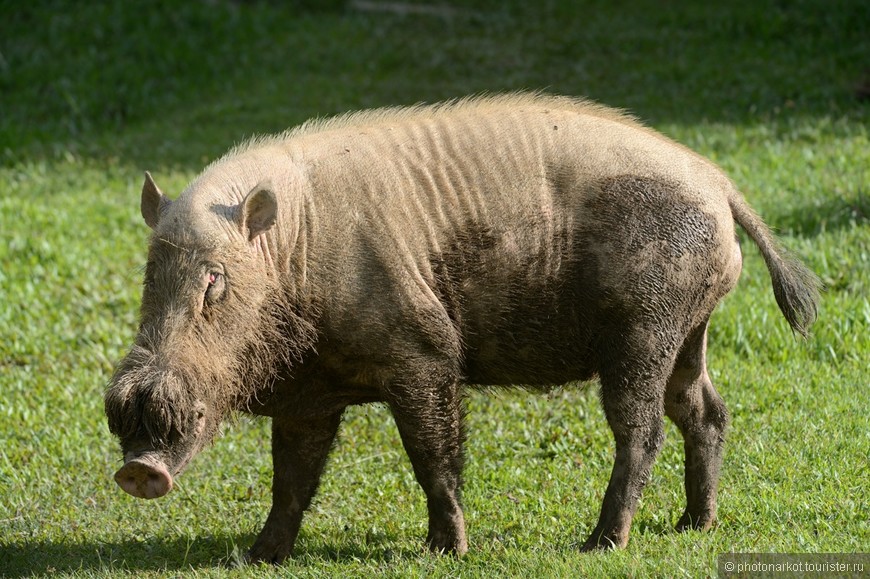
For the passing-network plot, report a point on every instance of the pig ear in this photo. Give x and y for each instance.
(258, 212)
(154, 202)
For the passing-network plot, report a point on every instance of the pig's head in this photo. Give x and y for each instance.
(213, 333)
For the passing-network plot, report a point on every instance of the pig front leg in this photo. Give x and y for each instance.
(299, 451)
(429, 419)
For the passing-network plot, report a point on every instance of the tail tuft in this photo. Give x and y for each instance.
(795, 287)
(796, 290)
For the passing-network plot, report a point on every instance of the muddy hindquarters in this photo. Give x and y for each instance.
(662, 263)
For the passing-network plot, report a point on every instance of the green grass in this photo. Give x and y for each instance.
(91, 97)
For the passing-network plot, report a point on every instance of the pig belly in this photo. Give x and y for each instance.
(534, 342)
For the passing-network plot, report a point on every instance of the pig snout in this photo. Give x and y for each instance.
(145, 477)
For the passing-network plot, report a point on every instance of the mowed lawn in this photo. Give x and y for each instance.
(93, 94)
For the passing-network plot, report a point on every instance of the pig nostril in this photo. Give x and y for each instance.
(145, 478)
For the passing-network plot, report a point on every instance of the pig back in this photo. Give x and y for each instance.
(474, 230)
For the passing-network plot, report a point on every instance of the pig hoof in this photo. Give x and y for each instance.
(599, 541)
(256, 557)
(702, 522)
(265, 551)
(447, 545)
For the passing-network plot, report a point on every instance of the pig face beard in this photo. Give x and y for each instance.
(156, 388)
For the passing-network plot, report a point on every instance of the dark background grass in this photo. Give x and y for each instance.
(183, 80)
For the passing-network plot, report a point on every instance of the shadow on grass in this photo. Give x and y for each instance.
(177, 554)
(39, 558)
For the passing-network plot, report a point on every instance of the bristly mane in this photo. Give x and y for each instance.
(476, 103)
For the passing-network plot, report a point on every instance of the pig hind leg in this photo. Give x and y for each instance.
(429, 413)
(700, 414)
(632, 392)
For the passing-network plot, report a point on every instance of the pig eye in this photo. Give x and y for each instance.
(216, 287)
